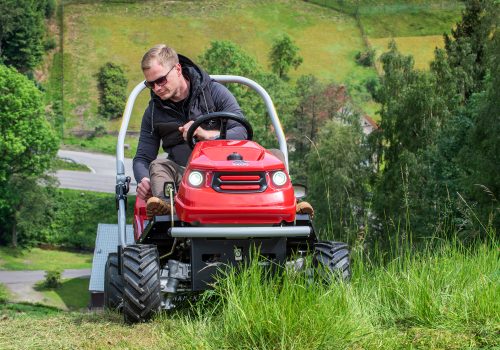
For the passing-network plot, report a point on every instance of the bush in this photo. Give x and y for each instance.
(49, 44)
(372, 85)
(52, 279)
(366, 58)
(112, 89)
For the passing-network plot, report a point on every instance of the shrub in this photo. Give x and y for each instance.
(366, 58)
(52, 279)
(112, 88)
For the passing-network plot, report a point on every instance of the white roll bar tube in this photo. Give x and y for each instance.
(122, 181)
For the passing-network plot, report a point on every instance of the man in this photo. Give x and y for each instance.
(180, 93)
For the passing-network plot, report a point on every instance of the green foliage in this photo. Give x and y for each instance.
(27, 142)
(75, 215)
(316, 103)
(439, 138)
(28, 145)
(466, 47)
(113, 90)
(284, 55)
(52, 279)
(338, 172)
(225, 57)
(366, 58)
(22, 32)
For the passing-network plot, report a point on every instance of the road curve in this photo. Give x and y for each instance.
(102, 177)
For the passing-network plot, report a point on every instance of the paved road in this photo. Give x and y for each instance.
(102, 177)
(13, 277)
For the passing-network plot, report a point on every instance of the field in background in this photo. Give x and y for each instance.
(326, 31)
(97, 33)
(420, 47)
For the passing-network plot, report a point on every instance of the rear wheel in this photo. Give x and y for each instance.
(141, 274)
(333, 258)
(113, 284)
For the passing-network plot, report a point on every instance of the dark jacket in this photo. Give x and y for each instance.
(162, 119)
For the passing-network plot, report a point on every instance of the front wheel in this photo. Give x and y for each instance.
(141, 274)
(333, 258)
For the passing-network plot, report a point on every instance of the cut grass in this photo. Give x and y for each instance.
(72, 294)
(96, 33)
(42, 259)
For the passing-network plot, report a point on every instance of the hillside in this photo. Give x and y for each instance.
(329, 38)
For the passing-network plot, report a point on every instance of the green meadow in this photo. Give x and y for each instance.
(97, 33)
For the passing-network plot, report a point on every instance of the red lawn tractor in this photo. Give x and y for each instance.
(235, 197)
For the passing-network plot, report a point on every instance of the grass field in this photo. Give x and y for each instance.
(42, 259)
(72, 294)
(97, 33)
(420, 47)
(443, 298)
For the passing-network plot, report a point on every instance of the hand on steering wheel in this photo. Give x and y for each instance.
(223, 117)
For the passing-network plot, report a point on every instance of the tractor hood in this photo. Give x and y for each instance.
(230, 154)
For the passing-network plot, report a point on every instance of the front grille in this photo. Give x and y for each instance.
(249, 182)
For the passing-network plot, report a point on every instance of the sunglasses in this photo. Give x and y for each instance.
(160, 81)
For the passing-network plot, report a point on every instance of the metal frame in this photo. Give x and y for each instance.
(122, 181)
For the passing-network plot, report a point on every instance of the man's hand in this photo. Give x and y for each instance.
(200, 133)
(144, 189)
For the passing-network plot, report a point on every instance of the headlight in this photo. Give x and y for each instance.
(195, 178)
(279, 178)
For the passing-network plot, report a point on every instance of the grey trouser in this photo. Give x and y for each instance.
(163, 170)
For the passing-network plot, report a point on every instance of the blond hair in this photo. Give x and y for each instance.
(164, 55)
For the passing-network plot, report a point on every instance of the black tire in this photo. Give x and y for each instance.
(141, 274)
(334, 257)
(113, 284)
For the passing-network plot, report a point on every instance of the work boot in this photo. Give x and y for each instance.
(157, 206)
(304, 208)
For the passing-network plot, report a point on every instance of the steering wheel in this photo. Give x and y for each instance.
(224, 117)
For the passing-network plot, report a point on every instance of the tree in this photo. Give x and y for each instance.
(413, 113)
(225, 57)
(22, 31)
(284, 55)
(338, 177)
(27, 143)
(113, 90)
(466, 47)
(480, 153)
(316, 104)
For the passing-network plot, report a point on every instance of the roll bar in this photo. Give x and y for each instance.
(123, 181)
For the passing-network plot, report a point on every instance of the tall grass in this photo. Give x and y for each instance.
(446, 294)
